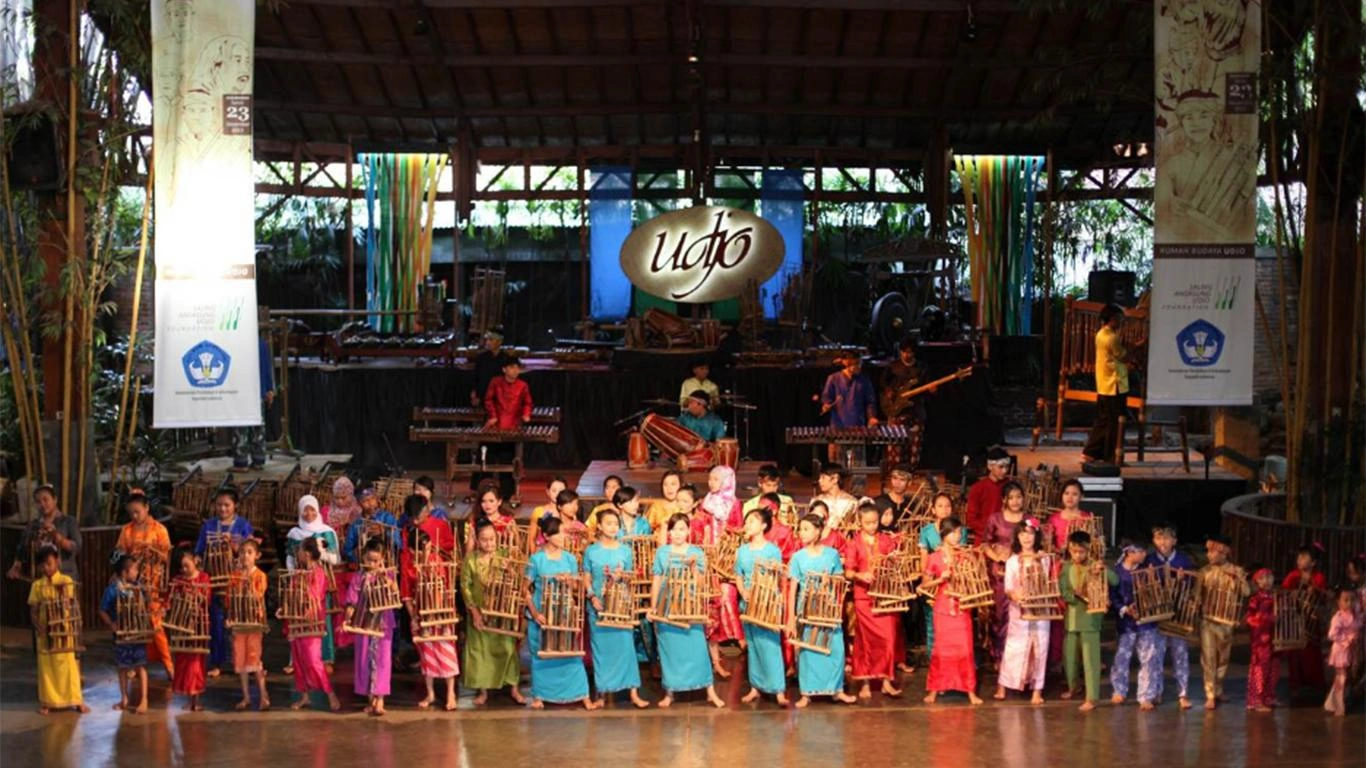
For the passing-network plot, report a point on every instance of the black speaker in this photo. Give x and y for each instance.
(1111, 286)
(35, 161)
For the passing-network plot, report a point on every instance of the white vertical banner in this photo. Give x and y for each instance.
(1200, 341)
(207, 358)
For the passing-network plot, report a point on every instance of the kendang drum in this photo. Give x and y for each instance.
(671, 438)
(637, 450)
(699, 460)
(727, 451)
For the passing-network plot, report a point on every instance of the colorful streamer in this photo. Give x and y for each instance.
(400, 204)
(999, 196)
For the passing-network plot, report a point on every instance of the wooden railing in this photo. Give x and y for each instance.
(1261, 536)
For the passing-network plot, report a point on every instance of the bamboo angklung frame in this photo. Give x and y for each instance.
(244, 610)
(219, 558)
(820, 611)
(643, 549)
(133, 619)
(682, 596)
(504, 606)
(618, 600)
(562, 607)
(721, 557)
(151, 569)
(1222, 602)
(1186, 596)
(767, 596)
(1095, 526)
(187, 618)
(434, 596)
(1290, 632)
(59, 618)
(575, 542)
(1041, 599)
(298, 606)
(330, 575)
(378, 595)
(512, 540)
(38, 541)
(1096, 590)
(1152, 595)
(891, 585)
(968, 582)
(385, 533)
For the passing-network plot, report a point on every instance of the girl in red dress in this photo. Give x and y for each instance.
(189, 677)
(718, 516)
(1306, 664)
(875, 634)
(951, 666)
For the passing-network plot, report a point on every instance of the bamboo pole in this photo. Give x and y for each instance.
(69, 303)
(133, 324)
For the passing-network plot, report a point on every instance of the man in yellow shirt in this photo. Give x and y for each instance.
(701, 370)
(1112, 385)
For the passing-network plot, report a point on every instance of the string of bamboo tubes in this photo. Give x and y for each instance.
(562, 607)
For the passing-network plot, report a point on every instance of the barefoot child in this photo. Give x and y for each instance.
(764, 663)
(374, 653)
(683, 653)
(1342, 632)
(554, 679)
(615, 667)
(1166, 554)
(951, 667)
(1216, 640)
(438, 656)
(307, 651)
(490, 658)
(1083, 627)
(59, 672)
(818, 674)
(189, 678)
(875, 646)
(1263, 664)
(247, 641)
(130, 658)
(1024, 660)
(1132, 636)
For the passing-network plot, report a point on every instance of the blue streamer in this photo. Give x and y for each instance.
(371, 243)
(782, 203)
(1032, 167)
(609, 223)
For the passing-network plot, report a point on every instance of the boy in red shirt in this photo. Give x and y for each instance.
(508, 400)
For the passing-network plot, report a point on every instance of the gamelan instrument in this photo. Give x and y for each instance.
(1187, 596)
(1095, 590)
(700, 460)
(1223, 600)
(618, 600)
(727, 450)
(302, 611)
(1152, 594)
(219, 558)
(133, 616)
(968, 581)
(682, 596)
(891, 585)
(434, 599)
(379, 594)
(187, 617)
(852, 438)
(59, 620)
(562, 607)
(244, 610)
(504, 606)
(820, 611)
(643, 550)
(637, 450)
(475, 439)
(1040, 598)
(767, 596)
(671, 438)
(1290, 632)
(465, 415)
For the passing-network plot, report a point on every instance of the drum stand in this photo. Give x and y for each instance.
(744, 407)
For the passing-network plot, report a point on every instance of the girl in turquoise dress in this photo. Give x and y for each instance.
(682, 651)
(764, 647)
(818, 674)
(556, 680)
(627, 502)
(614, 652)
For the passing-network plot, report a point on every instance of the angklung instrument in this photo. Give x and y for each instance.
(133, 616)
(219, 557)
(819, 611)
(643, 550)
(1096, 589)
(379, 594)
(434, 598)
(299, 607)
(244, 609)
(618, 600)
(562, 607)
(767, 604)
(1290, 631)
(1040, 598)
(890, 588)
(968, 581)
(187, 617)
(59, 620)
(504, 608)
(1186, 595)
(1223, 600)
(374, 530)
(1152, 595)
(683, 595)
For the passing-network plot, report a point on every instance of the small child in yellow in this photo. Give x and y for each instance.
(59, 673)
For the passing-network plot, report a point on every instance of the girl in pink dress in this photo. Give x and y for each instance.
(718, 516)
(1342, 633)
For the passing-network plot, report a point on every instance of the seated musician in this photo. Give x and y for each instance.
(487, 364)
(371, 520)
(697, 416)
(848, 397)
(700, 371)
(770, 481)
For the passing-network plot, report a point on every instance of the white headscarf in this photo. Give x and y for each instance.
(307, 529)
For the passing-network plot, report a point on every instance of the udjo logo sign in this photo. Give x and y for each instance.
(701, 254)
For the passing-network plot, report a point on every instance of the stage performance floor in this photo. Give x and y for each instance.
(881, 732)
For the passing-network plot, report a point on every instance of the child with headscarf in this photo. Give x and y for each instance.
(719, 516)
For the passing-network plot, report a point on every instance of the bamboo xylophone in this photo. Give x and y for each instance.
(469, 437)
(539, 414)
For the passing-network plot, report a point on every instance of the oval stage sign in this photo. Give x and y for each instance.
(701, 254)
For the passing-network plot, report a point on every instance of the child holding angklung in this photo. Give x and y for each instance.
(189, 678)
(683, 655)
(1261, 623)
(1216, 639)
(941, 506)
(1343, 631)
(818, 674)
(874, 651)
(246, 645)
(563, 679)
(490, 658)
(614, 651)
(1165, 554)
(374, 654)
(1024, 660)
(1083, 626)
(130, 658)
(1132, 636)
(59, 671)
(1306, 664)
(951, 665)
(307, 652)
(437, 658)
(717, 517)
(763, 646)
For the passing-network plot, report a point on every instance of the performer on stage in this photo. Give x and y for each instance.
(130, 660)
(682, 650)
(488, 364)
(699, 419)
(941, 506)
(1306, 664)
(1025, 658)
(490, 658)
(305, 652)
(59, 672)
(764, 647)
(1112, 385)
(615, 666)
(818, 674)
(1216, 640)
(49, 526)
(1343, 631)
(553, 486)
(984, 497)
(507, 404)
(144, 537)
(311, 527)
(371, 522)
(373, 662)
(997, 540)
(555, 680)
(438, 659)
(626, 503)
(901, 376)
(1165, 554)
(830, 537)
(717, 517)
(893, 502)
(667, 505)
(247, 646)
(189, 667)
(782, 536)
(875, 634)
(1262, 664)
(848, 397)
(951, 667)
(1083, 627)
(567, 512)
(226, 521)
(1132, 636)
(839, 503)
(700, 371)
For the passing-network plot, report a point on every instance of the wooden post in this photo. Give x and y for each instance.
(350, 233)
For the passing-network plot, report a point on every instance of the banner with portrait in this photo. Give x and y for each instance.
(1200, 342)
(207, 351)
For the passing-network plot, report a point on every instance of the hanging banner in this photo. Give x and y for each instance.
(207, 353)
(1200, 341)
(701, 254)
